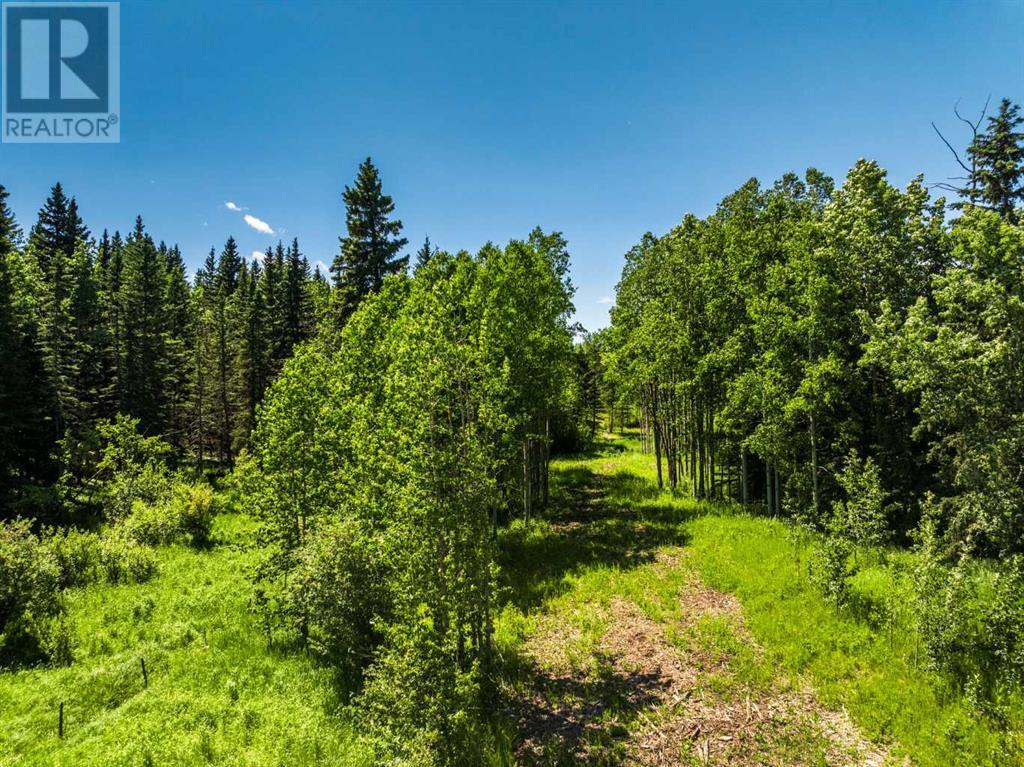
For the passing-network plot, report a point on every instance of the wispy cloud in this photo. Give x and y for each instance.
(606, 300)
(257, 255)
(231, 206)
(258, 224)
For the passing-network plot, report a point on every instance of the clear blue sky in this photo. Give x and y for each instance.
(602, 120)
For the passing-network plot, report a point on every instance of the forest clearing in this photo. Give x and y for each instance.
(653, 395)
(614, 649)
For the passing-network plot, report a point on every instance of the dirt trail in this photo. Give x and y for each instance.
(636, 697)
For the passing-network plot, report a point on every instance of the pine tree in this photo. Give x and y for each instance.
(298, 309)
(26, 436)
(224, 319)
(179, 342)
(369, 252)
(424, 254)
(144, 361)
(998, 160)
(229, 267)
(109, 263)
(57, 231)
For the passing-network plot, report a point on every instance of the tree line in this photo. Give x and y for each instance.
(385, 459)
(850, 357)
(95, 327)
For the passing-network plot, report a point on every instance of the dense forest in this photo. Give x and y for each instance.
(847, 358)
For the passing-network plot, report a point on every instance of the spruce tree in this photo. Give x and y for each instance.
(369, 252)
(424, 254)
(998, 161)
(141, 299)
(298, 321)
(26, 436)
(179, 341)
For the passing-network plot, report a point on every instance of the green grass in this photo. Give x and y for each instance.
(859, 658)
(216, 693)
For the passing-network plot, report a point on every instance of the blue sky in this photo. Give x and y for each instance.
(599, 119)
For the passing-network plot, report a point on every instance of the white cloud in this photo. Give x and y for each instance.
(606, 300)
(258, 224)
(231, 206)
(324, 268)
(257, 255)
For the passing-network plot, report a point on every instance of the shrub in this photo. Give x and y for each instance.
(831, 568)
(422, 705)
(150, 484)
(188, 512)
(334, 593)
(971, 620)
(77, 554)
(124, 560)
(29, 594)
(194, 506)
(150, 524)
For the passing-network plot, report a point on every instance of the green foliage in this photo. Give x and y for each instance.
(831, 566)
(971, 619)
(76, 553)
(148, 485)
(29, 595)
(369, 250)
(124, 560)
(336, 593)
(418, 683)
(380, 460)
(862, 514)
(216, 687)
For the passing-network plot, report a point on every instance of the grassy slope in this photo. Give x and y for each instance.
(216, 692)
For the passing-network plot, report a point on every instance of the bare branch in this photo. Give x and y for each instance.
(974, 126)
(951, 149)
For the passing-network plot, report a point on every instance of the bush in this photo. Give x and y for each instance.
(422, 705)
(149, 525)
(150, 484)
(831, 568)
(77, 554)
(188, 512)
(971, 621)
(29, 594)
(195, 506)
(124, 560)
(334, 593)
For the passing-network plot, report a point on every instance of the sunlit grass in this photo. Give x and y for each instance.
(219, 693)
(216, 693)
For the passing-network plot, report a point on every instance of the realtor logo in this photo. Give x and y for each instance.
(61, 78)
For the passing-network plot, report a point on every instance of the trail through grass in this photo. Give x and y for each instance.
(635, 627)
(645, 628)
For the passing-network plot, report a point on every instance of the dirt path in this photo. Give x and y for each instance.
(611, 685)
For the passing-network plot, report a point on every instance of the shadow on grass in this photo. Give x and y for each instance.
(579, 719)
(617, 520)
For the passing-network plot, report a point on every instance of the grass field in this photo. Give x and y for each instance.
(635, 626)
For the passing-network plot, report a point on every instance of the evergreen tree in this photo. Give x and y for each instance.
(229, 267)
(179, 341)
(144, 362)
(369, 252)
(424, 254)
(109, 264)
(26, 436)
(997, 157)
(298, 308)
